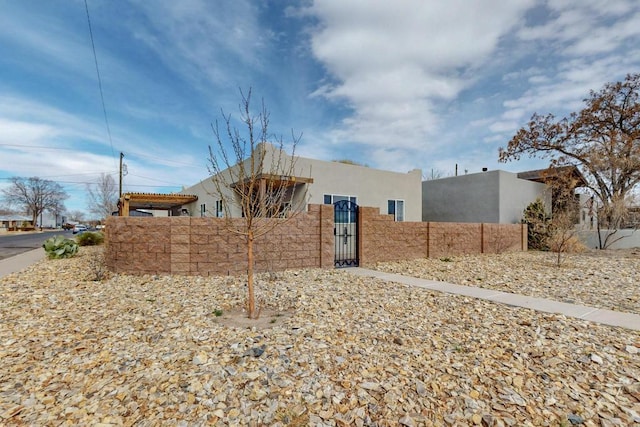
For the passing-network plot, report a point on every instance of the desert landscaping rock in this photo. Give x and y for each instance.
(154, 350)
(600, 279)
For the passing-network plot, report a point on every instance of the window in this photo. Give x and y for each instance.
(345, 217)
(330, 199)
(203, 209)
(219, 211)
(396, 208)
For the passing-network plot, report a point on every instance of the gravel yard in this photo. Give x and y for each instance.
(601, 279)
(336, 349)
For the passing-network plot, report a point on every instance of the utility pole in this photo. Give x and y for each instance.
(121, 157)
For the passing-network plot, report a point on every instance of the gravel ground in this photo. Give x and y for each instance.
(601, 279)
(345, 351)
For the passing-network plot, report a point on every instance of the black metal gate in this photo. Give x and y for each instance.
(346, 232)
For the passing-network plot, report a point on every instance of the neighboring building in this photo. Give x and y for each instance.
(491, 197)
(501, 197)
(12, 221)
(325, 182)
(46, 220)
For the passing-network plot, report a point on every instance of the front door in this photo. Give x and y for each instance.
(346, 233)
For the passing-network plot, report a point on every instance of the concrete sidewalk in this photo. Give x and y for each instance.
(598, 315)
(20, 262)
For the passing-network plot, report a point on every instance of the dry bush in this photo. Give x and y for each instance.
(571, 245)
(97, 264)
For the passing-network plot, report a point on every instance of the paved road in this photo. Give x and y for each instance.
(14, 244)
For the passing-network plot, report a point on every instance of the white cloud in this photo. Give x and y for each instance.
(41, 140)
(579, 46)
(27, 120)
(585, 27)
(47, 37)
(504, 126)
(206, 44)
(393, 63)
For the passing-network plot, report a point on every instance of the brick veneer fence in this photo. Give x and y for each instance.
(383, 239)
(203, 246)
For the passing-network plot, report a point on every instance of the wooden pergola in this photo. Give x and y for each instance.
(544, 176)
(264, 182)
(132, 201)
(277, 181)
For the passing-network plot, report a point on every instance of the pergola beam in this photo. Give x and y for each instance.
(130, 201)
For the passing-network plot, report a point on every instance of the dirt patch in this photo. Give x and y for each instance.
(237, 318)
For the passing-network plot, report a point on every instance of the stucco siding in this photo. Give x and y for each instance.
(516, 194)
(371, 187)
(466, 198)
(487, 197)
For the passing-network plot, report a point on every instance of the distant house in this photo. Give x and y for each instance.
(11, 222)
(491, 196)
(326, 182)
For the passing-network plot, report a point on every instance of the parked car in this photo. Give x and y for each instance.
(79, 228)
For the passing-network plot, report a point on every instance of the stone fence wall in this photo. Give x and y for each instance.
(204, 246)
(383, 239)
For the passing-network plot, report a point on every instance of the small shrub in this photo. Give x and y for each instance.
(446, 259)
(97, 265)
(538, 222)
(570, 245)
(60, 247)
(217, 312)
(89, 238)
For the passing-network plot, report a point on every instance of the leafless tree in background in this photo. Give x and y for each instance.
(35, 195)
(103, 196)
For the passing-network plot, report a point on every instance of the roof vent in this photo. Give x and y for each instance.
(484, 169)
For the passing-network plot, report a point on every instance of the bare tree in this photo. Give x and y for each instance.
(35, 195)
(103, 196)
(562, 238)
(77, 216)
(434, 174)
(603, 140)
(565, 213)
(254, 181)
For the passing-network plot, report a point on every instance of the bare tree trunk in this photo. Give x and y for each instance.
(261, 187)
(251, 298)
(599, 236)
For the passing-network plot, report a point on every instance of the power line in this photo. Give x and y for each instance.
(152, 179)
(93, 182)
(95, 57)
(73, 174)
(166, 160)
(38, 146)
(134, 154)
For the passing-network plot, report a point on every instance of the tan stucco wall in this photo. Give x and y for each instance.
(372, 187)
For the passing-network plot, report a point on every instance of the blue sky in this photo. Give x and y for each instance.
(396, 85)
